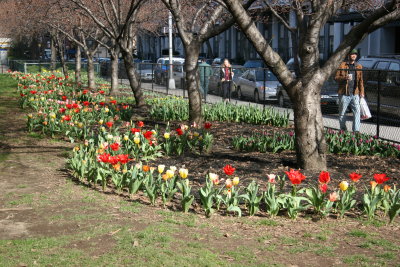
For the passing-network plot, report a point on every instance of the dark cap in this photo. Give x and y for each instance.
(354, 51)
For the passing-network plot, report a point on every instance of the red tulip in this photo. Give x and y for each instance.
(140, 124)
(229, 170)
(148, 134)
(114, 146)
(323, 188)
(135, 130)
(355, 176)
(109, 124)
(86, 103)
(123, 158)
(324, 177)
(179, 131)
(64, 97)
(295, 176)
(103, 157)
(380, 178)
(113, 102)
(207, 125)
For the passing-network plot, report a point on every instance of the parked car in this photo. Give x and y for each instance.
(161, 69)
(146, 72)
(385, 71)
(329, 95)
(214, 85)
(179, 75)
(260, 84)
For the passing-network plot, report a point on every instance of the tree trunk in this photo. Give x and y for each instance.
(53, 59)
(90, 71)
(60, 47)
(78, 66)
(192, 83)
(309, 128)
(133, 80)
(114, 70)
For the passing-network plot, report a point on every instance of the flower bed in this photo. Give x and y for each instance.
(116, 154)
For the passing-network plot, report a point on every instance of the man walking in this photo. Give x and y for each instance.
(205, 73)
(351, 88)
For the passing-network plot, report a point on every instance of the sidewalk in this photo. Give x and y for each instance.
(391, 133)
(3, 69)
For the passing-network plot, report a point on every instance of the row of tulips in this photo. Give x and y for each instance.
(172, 108)
(339, 142)
(86, 115)
(226, 194)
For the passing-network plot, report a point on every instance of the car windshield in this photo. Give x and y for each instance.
(269, 76)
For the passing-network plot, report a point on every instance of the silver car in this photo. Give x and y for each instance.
(146, 72)
(257, 84)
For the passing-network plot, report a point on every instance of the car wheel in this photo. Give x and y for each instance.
(281, 101)
(256, 96)
(239, 93)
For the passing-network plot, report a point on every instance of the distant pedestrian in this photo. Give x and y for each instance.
(226, 75)
(205, 73)
(351, 88)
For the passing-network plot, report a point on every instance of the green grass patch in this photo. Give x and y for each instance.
(4, 156)
(358, 259)
(8, 86)
(36, 135)
(358, 233)
(267, 222)
(26, 199)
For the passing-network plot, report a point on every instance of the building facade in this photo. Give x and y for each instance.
(5, 44)
(234, 45)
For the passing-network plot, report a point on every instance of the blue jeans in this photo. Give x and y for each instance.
(354, 102)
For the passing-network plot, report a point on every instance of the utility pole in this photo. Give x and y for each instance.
(171, 82)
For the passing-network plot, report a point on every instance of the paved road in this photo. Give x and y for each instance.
(331, 120)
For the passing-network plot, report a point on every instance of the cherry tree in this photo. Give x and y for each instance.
(305, 89)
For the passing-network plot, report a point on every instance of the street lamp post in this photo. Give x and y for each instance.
(171, 82)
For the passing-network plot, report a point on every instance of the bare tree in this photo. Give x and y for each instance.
(305, 90)
(120, 21)
(198, 21)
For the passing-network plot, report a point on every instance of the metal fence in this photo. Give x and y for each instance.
(32, 66)
(260, 87)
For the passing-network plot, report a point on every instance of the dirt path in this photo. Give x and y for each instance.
(47, 219)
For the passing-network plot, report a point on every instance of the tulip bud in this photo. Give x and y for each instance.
(373, 184)
(344, 185)
(136, 140)
(228, 183)
(170, 173)
(183, 173)
(386, 188)
(161, 168)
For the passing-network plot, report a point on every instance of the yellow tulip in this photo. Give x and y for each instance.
(235, 181)
(136, 140)
(183, 173)
(80, 125)
(101, 122)
(126, 138)
(196, 134)
(167, 135)
(52, 115)
(344, 185)
(161, 168)
(170, 173)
